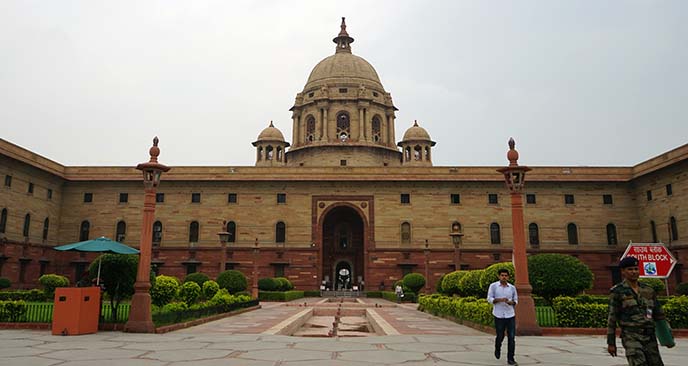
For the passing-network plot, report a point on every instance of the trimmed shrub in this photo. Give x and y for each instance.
(491, 274)
(553, 275)
(460, 308)
(414, 281)
(210, 288)
(165, 290)
(438, 284)
(268, 284)
(374, 294)
(190, 292)
(450, 282)
(284, 284)
(232, 280)
(676, 310)
(174, 307)
(52, 281)
(197, 277)
(5, 283)
(311, 293)
(469, 284)
(592, 299)
(656, 284)
(33, 295)
(682, 288)
(12, 310)
(570, 313)
(279, 295)
(409, 296)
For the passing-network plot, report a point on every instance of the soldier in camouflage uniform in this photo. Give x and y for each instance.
(635, 307)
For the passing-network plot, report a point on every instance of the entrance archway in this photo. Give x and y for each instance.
(343, 242)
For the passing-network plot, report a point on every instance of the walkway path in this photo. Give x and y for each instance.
(424, 340)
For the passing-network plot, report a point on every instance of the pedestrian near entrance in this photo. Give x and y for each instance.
(503, 297)
(399, 291)
(634, 306)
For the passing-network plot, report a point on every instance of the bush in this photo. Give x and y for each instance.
(118, 274)
(210, 288)
(438, 284)
(469, 284)
(268, 284)
(461, 308)
(279, 295)
(197, 277)
(164, 290)
(409, 296)
(676, 310)
(222, 297)
(592, 299)
(656, 284)
(450, 282)
(491, 274)
(414, 281)
(682, 289)
(5, 283)
(52, 281)
(311, 293)
(232, 280)
(374, 294)
(12, 310)
(174, 307)
(570, 313)
(553, 275)
(190, 292)
(284, 284)
(33, 295)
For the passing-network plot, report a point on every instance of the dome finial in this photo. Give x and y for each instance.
(271, 125)
(343, 40)
(415, 123)
(512, 155)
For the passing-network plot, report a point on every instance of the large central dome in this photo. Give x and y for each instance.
(343, 66)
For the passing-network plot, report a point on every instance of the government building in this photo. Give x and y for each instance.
(344, 195)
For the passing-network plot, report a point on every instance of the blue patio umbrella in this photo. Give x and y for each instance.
(100, 245)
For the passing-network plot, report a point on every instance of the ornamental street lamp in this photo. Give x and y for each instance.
(426, 253)
(514, 176)
(140, 320)
(224, 238)
(256, 255)
(456, 236)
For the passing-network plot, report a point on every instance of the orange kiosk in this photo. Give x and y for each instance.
(76, 310)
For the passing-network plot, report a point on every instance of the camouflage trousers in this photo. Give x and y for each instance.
(641, 347)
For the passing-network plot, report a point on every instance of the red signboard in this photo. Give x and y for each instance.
(655, 260)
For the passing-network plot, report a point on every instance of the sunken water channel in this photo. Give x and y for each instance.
(335, 317)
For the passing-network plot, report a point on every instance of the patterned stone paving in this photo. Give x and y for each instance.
(424, 340)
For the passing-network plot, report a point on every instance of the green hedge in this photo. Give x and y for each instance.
(12, 310)
(311, 293)
(676, 310)
(173, 313)
(476, 310)
(374, 294)
(279, 295)
(571, 313)
(34, 295)
(5, 283)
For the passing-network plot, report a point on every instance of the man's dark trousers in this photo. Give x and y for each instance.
(508, 325)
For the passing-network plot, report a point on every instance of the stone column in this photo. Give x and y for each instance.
(361, 136)
(326, 125)
(295, 129)
(368, 125)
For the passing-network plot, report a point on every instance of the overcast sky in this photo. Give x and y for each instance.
(574, 82)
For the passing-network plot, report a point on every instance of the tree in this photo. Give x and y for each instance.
(118, 274)
(553, 275)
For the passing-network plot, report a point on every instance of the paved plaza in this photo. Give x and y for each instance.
(244, 339)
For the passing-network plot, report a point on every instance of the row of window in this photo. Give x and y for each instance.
(280, 231)
(195, 197)
(668, 188)
(493, 199)
(30, 189)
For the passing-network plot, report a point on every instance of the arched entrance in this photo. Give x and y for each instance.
(343, 243)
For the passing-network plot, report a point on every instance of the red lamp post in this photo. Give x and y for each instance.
(140, 320)
(514, 176)
(456, 236)
(224, 238)
(254, 285)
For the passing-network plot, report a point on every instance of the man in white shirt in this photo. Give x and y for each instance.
(502, 295)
